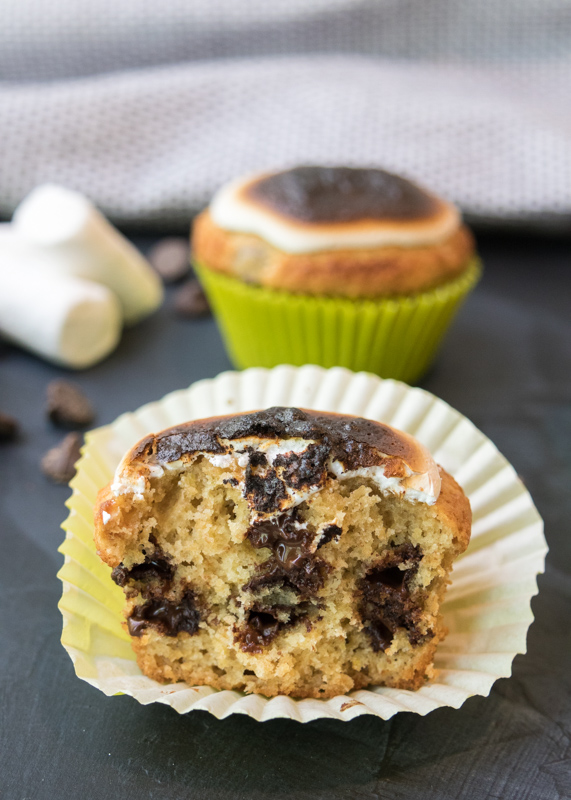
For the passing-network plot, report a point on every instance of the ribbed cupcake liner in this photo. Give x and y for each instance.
(487, 607)
(392, 337)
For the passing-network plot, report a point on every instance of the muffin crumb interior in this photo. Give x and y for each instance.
(339, 592)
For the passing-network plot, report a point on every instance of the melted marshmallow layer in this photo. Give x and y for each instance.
(306, 213)
(276, 474)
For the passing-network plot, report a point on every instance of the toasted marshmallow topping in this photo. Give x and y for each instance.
(311, 209)
(280, 457)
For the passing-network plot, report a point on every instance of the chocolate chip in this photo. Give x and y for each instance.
(329, 533)
(264, 491)
(262, 627)
(67, 406)
(302, 470)
(58, 464)
(169, 617)
(381, 637)
(120, 575)
(190, 301)
(292, 564)
(171, 258)
(289, 543)
(154, 574)
(9, 428)
(386, 602)
(264, 622)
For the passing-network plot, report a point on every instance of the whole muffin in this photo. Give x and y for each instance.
(334, 266)
(283, 552)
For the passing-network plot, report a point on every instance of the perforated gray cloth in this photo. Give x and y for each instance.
(148, 107)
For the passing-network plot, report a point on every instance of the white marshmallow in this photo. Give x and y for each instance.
(82, 243)
(67, 320)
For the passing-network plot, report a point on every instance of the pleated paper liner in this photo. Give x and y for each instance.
(393, 337)
(487, 607)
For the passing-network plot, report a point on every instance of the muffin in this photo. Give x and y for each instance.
(283, 552)
(334, 266)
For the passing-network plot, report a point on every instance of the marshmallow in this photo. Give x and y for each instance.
(77, 240)
(234, 210)
(67, 320)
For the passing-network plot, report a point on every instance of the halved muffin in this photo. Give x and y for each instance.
(283, 552)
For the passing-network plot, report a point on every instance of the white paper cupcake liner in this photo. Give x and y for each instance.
(487, 608)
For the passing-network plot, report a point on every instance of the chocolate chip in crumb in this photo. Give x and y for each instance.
(169, 617)
(387, 602)
(190, 301)
(171, 258)
(67, 406)
(9, 428)
(329, 533)
(58, 464)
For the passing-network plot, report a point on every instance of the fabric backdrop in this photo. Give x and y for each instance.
(148, 107)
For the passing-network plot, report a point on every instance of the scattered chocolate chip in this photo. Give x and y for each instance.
(386, 601)
(292, 564)
(190, 301)
(329, 533)
(169, 617)
(262, 627)
(58, 464)
(381, 636)
(9, 428)
(67, 406)
(171, 258)
(150, 578)
(264, 622)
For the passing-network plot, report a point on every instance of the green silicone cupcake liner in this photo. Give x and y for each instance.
(393, 337)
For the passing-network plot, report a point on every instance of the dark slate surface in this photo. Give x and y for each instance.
(506, 365)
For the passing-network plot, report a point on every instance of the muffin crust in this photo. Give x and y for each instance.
(362, 273)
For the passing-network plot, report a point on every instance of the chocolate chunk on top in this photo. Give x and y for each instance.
(341, 194)
(67, 405)
(58, 464)
(171, 258)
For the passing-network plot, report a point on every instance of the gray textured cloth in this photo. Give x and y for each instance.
(148, 107)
